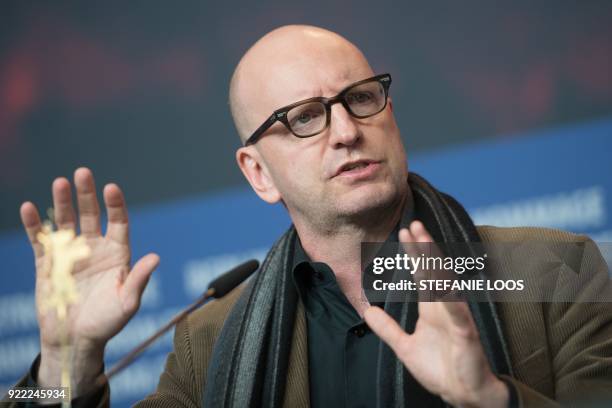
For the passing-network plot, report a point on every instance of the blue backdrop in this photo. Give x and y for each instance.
(557, 178)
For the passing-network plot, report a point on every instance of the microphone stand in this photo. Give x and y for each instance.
(216, 289)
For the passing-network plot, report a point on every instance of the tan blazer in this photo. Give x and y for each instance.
(558, 351)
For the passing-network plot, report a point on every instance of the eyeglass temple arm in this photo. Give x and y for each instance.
(260, 130)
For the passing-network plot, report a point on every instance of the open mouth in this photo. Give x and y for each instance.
(352, 166)
(359, 168)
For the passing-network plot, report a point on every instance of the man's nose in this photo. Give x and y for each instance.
(344, 128)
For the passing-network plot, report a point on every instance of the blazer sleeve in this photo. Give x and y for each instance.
(99, 397)
(580, 341)
(182, 382)
(177, 385)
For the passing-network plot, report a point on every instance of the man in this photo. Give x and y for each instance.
(295, 335)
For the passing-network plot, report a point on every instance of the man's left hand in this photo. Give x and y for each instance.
(444, 354)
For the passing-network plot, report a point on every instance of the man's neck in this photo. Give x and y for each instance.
(341, 249)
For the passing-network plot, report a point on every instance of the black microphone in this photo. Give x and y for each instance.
(218, 288)
(229, 280)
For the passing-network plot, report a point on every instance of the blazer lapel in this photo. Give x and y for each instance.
(297, 389)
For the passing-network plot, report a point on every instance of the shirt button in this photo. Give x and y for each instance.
(359, 331)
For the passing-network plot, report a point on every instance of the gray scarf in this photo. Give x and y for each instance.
(249, 362)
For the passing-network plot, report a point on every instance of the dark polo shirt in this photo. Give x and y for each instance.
(342, 350)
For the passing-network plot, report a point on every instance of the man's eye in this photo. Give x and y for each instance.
(359, 98)
(304, 118)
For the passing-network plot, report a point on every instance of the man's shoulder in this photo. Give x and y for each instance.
(490, 233)
(195, 337)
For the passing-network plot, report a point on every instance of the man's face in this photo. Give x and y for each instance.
(353, 166)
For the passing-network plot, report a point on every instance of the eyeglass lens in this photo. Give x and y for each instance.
(363, 100)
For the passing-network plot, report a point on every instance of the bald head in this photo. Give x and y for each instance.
(288, 64)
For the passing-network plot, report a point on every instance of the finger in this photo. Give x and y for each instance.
(422, 238)
(419, 232)
(63, 211)
(136, 281)
(431, 249)
(89, 210)
(32, 226)
(117, 228)
(459, 314)
(416, 235)
(405, 235)
(385, 327)
(408, 244)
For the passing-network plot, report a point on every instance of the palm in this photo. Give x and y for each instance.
(108, 293)
(444, 354)
(445, 333)
(98, 295)
(100, 283)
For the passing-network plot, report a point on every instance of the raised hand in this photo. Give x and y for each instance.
(444, 354)
(109, 291)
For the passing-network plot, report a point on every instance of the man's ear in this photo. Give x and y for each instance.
(256, 172)
(390, 103)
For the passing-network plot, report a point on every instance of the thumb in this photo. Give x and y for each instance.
(137, 280)
(389, 331)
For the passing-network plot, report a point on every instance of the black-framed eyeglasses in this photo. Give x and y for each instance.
(311, 116)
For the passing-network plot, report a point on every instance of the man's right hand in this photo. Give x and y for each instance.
(109, 292)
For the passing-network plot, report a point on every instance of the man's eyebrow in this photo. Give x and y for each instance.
(317, 91)
(308, 92)
(346, 83)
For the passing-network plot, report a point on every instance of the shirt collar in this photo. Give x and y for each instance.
(301, 259)
(305, 271)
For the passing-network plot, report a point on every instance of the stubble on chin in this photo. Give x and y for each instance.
(339, 207)
(369, 210)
